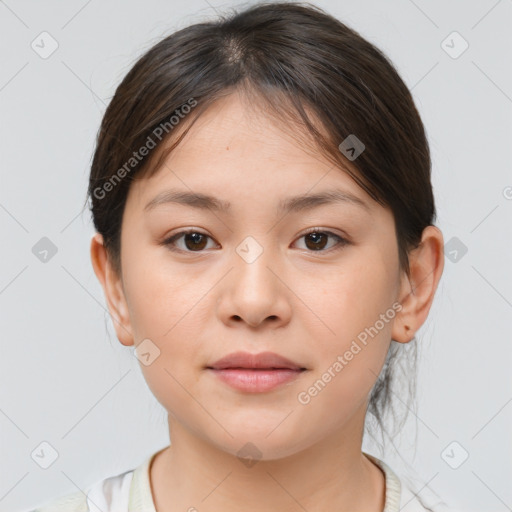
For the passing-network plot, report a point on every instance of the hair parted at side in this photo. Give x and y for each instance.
(306, 69)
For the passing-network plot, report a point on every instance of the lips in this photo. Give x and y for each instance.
(261, 361)
(256, 373)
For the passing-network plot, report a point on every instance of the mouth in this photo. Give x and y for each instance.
(256, 380)
(255, 373)
(261, 361)
(270, 368)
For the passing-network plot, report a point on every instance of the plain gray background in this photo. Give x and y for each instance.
(67, 381)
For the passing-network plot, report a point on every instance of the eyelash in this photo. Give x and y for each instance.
(342, 242)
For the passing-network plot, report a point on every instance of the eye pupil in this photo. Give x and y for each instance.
(196, 239)
(315, 236)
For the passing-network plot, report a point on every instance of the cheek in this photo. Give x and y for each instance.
(170, 308)
(160, 298)
(356, 305)
(352, 299)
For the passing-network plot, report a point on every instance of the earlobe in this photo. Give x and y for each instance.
(417, 290)
(113, 290)
(402, 331)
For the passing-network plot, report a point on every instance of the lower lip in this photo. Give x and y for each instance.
(256, 381)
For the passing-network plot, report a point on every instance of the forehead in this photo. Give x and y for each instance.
(234, 149)
(236, 125)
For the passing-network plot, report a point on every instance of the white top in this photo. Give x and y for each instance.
(131, 492)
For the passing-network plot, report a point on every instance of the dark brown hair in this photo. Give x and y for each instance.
(294, 60)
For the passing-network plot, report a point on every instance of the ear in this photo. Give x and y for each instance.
(417, 291)
(113, 289)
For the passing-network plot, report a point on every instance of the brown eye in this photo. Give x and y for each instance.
(194, 241)
(317, 240)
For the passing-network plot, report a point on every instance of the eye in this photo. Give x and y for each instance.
(316, 240)
(194, 241)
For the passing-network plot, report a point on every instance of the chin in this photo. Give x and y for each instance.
(251, 445)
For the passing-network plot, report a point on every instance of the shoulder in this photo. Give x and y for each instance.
(73, 502)
(109, 494)
(409, 501)
(423, 499)
(399, 495)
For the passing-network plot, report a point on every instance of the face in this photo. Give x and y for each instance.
(315, 283)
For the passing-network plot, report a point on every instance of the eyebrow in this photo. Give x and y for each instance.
(290, 204)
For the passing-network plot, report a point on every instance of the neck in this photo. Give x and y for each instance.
(331, 475)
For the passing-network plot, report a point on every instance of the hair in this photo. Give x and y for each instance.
(307, 70)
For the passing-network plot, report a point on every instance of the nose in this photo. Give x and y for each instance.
(254, 292)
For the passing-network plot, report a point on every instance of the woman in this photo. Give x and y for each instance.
(264, 213)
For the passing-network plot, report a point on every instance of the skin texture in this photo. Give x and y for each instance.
(304, 303)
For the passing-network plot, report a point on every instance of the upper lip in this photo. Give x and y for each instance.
(267, 360)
